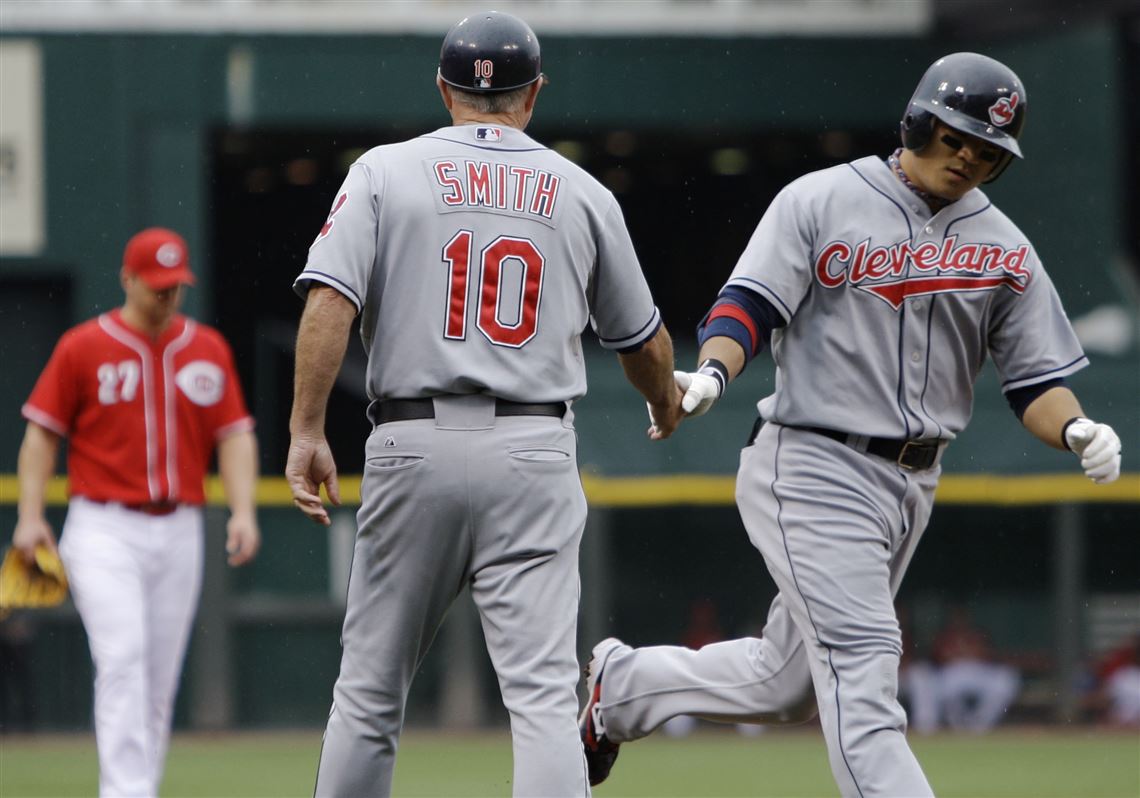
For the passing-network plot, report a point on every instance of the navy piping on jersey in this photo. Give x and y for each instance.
(903, 409)
(329, 278)
(787, 311)
(654, 322)
(946, 232)
(484, 147)
(1070, 364)
(926, 375)
(900, 388)
(889, 198)
(807, 608)
(636, 347)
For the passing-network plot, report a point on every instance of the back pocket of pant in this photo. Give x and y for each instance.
(395, 462)
(540, 454)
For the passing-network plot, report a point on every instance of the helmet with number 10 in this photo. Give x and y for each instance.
(490, 52)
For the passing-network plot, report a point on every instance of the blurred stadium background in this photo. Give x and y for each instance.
(234, 122)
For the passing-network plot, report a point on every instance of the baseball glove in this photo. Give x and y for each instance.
(40, 584)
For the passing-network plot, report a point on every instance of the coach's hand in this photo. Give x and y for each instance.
(664, 418)
(310, 464)
(1098, 446)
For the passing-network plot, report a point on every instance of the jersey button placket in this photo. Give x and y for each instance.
(918, 308)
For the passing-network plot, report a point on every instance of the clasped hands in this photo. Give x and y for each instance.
(697, 392)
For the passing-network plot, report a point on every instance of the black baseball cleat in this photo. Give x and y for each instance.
(600, 752)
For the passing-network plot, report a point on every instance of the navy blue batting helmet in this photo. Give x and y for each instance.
(971, 93)
(490, 52)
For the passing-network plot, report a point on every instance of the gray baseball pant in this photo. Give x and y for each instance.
(837, 529)
(466, 498)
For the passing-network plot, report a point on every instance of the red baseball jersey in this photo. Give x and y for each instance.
(143, 416)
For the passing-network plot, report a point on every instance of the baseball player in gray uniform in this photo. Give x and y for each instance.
(882, 285)
(474, 258)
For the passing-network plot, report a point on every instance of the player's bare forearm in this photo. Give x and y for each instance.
(237, 466)
(1046, 415)
(650, 371)
(321, 343)
(34, 466)
(727, 351)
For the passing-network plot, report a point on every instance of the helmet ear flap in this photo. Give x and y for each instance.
(999, 167)
(916, 128)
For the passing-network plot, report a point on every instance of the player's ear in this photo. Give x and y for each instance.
(532, 94)
(444, 92)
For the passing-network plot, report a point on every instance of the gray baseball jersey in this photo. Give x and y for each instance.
(891, 311)
(477, 258)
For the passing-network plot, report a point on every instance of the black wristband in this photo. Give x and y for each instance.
(1065, 431)
(717, 370)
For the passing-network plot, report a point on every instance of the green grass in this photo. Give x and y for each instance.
(1008, 764)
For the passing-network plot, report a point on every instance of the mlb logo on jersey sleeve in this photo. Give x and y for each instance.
(489, 134)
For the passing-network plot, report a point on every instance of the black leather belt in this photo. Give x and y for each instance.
(916, 454)
(383, 411)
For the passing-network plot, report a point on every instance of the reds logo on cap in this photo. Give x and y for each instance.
(159, 257)
(1002, 112)
(169, 255)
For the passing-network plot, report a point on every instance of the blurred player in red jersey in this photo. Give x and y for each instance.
(144, 396)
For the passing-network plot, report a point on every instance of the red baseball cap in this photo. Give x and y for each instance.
(160, 257)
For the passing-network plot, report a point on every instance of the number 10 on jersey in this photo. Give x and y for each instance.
(494, 260)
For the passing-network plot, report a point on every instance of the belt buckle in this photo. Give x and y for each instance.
(916, 449)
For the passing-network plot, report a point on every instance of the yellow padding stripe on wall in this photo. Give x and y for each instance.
(703, 489)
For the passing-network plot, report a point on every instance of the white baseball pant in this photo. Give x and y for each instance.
(135, 579)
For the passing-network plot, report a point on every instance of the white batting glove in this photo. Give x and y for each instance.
(702, 387)
(1098, 446)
